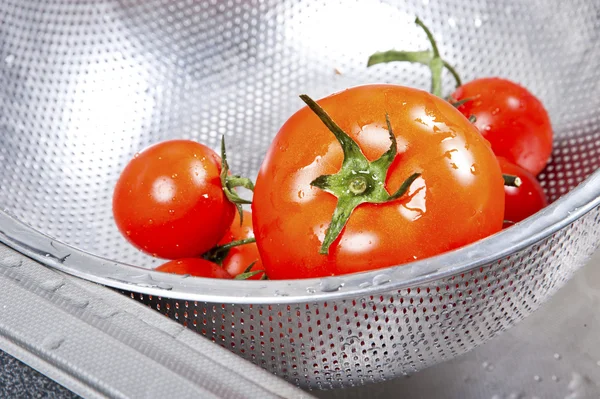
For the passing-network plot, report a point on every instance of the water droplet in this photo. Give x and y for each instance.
(330, 284)
(496, 111)
(78, 302)
(204, 195)
(128, 232)
(310, 290)
(171, 211)
(53, 342)
(537, 378)
(554, 378)
(364, 285)
(381, 279)
(278, 293)
(137, 154)
(557, 356)
(487, 366)
(300, 194)
(11, 261)
(474, 169)
(487, 128)
(52, 285)
(174, 175)
(150, 221)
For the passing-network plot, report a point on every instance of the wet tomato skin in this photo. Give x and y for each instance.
(194, 267)
(525, 200)
(169, 201)
(458, 199)
(512, 119)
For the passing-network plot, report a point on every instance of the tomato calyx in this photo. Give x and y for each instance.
(230, 182)
(430, 58)
(359, 181)
(512, 180)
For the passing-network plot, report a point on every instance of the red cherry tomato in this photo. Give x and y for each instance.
(522, 201)
(458, 198)
(239, 258)
(169, 201)
(512, 119)
(194, 267)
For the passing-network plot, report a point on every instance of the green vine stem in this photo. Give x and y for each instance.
(218, 253)
(430, 58)
(229, 182)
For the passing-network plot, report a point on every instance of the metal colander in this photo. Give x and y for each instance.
(86, 84)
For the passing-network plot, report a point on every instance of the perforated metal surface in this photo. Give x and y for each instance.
(342, 343)
(84, 85)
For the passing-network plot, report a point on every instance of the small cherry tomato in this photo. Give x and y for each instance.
(512, 119)
(525, 200)
(457, 198)
(169, 200)
(240, 257)
(194, 267)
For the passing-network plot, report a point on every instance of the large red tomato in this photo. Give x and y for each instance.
(194, 267)
(522, 201)
(169, 200)
(512, 119)
(240, 257)
(457, 199)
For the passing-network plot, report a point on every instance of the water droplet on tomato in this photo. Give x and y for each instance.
(174, 175)
(172, 211)
(487, 128)
(300, 194)
(150, 221)
(496, 111)
(137, 154)
(474, 169)
(128, 233)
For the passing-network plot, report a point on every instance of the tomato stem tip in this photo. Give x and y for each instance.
(512, 181)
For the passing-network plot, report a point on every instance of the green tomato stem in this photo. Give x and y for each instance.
(359, 181)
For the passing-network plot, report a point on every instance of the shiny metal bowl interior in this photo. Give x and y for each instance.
(86, 85)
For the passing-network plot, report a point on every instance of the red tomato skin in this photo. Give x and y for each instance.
(169, 200)
(239, 258)
(458, 199)
(194, 267)
(512, 119)
(525, 200)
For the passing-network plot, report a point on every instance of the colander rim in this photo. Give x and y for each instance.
(66, 258)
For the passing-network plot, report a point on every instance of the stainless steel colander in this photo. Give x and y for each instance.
(86, 84)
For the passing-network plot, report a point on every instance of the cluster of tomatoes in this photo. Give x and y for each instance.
(370, 177)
